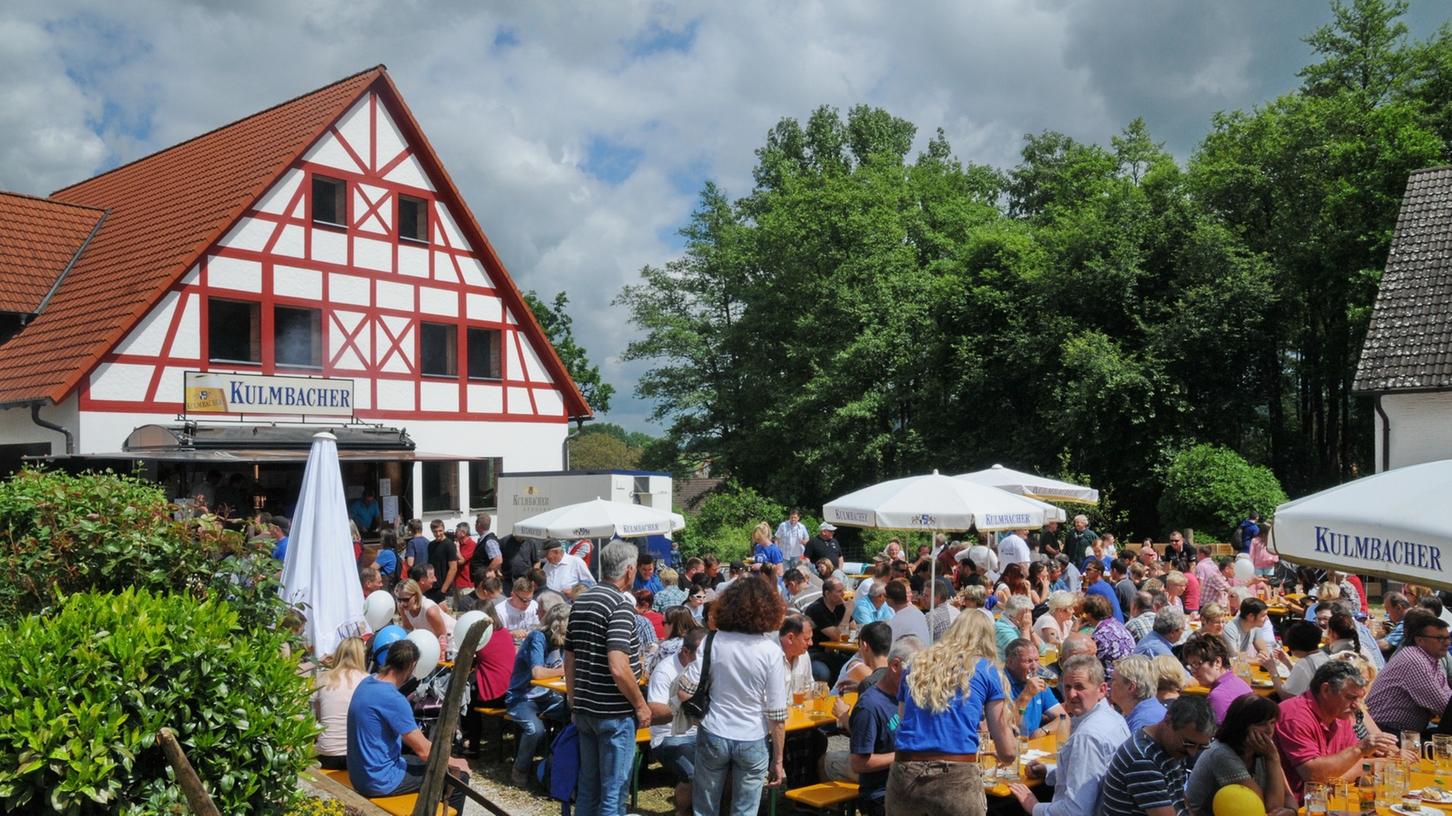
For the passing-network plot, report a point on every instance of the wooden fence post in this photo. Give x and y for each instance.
(198, 799)
(431, 792)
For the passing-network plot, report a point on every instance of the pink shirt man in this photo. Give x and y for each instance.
(1301, 737)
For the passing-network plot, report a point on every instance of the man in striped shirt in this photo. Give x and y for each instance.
(1147, 775)
(602, 671)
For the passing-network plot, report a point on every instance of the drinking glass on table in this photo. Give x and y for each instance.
(799, 693)
(1442, 756)
(1317, 799)
(1412, 748)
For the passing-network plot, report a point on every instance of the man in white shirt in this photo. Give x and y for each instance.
(519, 613)
(791, 537)
(564, 573)
(676, 752)
(795, 637)
(907, 619)
(1097, 731)
(1013, 549)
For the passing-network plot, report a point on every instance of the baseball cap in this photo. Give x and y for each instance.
(827, 526)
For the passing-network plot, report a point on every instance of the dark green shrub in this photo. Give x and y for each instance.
(723, 522)
(88, 689)
(63, 533)
(1211, 489)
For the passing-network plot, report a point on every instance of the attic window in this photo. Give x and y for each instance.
(438, 349)
(330, 203)
(413, 218)
(483, 354)
(297, 337)
(233, 331)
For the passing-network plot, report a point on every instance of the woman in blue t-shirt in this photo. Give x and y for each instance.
(952, 688)
(539, 657)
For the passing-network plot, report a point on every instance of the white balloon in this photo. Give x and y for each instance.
(378, 609)
(1244, 570)
(465, 622)
(428, 651)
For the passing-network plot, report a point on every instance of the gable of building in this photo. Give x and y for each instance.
(1408, 344)
(229, 207)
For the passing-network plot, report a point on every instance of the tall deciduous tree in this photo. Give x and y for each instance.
(554, 318)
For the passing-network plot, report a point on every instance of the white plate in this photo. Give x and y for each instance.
(1443, 798)
(1425, 811)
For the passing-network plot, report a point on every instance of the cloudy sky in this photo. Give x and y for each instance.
(580, 133)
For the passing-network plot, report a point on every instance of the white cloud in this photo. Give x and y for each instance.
(89, 85)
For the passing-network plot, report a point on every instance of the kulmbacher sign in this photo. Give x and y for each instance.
(220, 393)
(1397, 553)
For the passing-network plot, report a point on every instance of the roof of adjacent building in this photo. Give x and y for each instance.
(40, 240)
(1408, 345)
(164, 210)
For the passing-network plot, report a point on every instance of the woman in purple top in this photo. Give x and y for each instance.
(1112, 640)
(1208, 659)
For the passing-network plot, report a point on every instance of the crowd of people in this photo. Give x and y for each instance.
(1133, 659)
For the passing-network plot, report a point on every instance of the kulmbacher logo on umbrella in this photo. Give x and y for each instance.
(1006, 519)
(924, 520)
(1375, 548)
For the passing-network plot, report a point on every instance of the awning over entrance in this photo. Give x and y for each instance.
(261, 444)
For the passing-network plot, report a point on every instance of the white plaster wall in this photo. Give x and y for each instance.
(103, 432)
(17, 429)
(1421, 428)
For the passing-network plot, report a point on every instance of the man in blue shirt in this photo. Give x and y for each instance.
(645, 577)
(1038, 708)
(416, 550)
(365, 511)
(1094, 584)
(1096, 732)
(1169, 627)
(280, 526)
(380, 723)
(873, 724)
(1132, 691)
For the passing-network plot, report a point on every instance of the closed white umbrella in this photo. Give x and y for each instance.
(599, 519)
(319, 575)
(935, 503)
(1029, 484)
(1392, 524)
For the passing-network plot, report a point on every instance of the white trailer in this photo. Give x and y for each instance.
(521, 495)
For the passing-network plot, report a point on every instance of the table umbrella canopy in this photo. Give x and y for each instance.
(935, 502)
(1029, 484)
(319, 575)
(1389, 524)
(599, 519)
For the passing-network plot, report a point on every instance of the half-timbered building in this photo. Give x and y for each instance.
(210, 306)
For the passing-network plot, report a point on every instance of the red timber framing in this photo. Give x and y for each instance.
(276, 255)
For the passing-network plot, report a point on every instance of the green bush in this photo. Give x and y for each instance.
(1211, 489)
(724, 520)
(89, 688)
(63, 533)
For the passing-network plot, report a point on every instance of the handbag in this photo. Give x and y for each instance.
(699, 703)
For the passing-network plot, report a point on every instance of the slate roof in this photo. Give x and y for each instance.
(1408, 345)
(165, 209)
(38, 240)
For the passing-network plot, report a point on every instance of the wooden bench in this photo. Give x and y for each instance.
(502, 717)
(401, 805)
(827, 797)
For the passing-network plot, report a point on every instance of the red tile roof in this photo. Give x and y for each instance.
(165, 209)
(38, 240)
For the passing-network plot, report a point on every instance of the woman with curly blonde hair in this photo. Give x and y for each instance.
(950, 689)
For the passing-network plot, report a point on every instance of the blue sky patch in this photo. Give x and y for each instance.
(610, 161)
(654, 39)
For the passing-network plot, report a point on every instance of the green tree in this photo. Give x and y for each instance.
(602, 451)
(554, 318)
(1212, 489)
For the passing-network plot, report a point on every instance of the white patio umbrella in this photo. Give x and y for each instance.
(1392, 524)
(600, 519)
(319, 574)
(935, 503)
(1029, 484)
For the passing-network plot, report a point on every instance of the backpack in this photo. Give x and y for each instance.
(558, 773)
(1237, 537)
